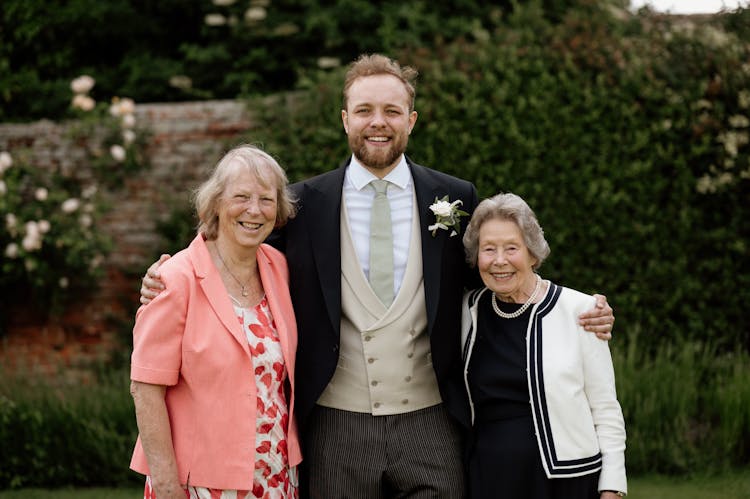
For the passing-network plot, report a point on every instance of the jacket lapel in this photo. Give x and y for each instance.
(280, 305)
(215, 292)
(323, 200)
(432, 246)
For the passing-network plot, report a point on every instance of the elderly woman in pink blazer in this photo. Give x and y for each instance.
(213, 355)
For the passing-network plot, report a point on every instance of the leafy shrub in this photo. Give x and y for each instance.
(686, 408)
(49, 237)
(173, 50)
(628, 137)
(66, 434)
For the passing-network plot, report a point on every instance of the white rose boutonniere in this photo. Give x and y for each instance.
(447, 216)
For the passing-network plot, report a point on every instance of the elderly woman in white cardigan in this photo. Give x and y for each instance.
(545, 416)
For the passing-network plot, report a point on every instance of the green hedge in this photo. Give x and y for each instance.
(165, 50)
(686, 409)
(628, 137)
(66, 433)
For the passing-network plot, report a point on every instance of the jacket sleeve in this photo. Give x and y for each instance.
(157, 335)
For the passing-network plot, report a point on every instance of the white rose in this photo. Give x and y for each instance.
(31, 227)
(89, 191)
(85, 220)
(254, 14)
(739, 121)
(63, 282)
(128, 121)
(70, 205)
(442, 209)
(83, 102)
(180, 81)
(11, 251)
(10, 221)
(32, 241)
(128, 136)
(41, 194)
(114, 108)
(44, 226)
(328, 62)
(127, 105)
(215, 20)
(82, 84)
(118, 153)
(222, 3)
(6, 161)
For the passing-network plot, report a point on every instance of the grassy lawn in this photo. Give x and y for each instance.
(730, 486)
(96, 493)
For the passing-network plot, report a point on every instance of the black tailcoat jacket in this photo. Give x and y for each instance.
(312, 244)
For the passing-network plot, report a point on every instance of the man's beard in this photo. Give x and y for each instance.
(381, 158)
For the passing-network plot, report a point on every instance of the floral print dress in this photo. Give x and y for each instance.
(272, 478)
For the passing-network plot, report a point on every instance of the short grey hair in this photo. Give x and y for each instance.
(506, 206)
(259, 163)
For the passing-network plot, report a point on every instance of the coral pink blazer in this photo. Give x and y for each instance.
(189, 339)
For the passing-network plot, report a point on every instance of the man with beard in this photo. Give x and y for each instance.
(379, 384)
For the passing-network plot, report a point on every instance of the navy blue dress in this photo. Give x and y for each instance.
(504, 460)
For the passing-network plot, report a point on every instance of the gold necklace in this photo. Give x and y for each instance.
(517, 313)
(244, 291)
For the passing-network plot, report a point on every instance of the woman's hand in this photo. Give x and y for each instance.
(151, 284)
(152, 417)
(606, 494)
(171, 490)
(600, 319)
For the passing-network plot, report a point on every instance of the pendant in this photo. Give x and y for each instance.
(245, 292)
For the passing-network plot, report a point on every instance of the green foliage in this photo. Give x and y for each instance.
(731, 485)
(171, 50)
(628, 137)
(52, 247)
(699, 485)
(685, 407)
(306, 123)
(178, 229)
(135, 492)
(80, 433)
(49, 236)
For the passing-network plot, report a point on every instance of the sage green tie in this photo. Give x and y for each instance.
(381, 244)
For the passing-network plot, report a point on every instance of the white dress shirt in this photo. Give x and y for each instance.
(358, 198)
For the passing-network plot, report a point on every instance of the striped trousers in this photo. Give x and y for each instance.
(416, 455)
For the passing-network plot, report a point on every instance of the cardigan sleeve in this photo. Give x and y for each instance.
(599, 385)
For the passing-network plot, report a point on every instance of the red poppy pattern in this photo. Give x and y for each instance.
(271, 478)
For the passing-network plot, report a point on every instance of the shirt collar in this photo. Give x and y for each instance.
(360, 176)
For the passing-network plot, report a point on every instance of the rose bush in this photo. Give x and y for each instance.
(50, 243)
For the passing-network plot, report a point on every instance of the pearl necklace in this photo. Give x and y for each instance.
(517, 313)
(244, 291)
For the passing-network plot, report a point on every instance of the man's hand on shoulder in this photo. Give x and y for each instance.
(151, 284)
(599, 320)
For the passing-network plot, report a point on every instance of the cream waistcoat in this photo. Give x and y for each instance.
(384, 362)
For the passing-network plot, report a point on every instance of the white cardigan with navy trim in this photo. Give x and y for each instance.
(578, 420)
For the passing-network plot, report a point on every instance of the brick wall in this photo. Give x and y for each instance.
(185, 141)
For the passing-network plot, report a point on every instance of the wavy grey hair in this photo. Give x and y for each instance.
(506, 206)
(256, 161)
